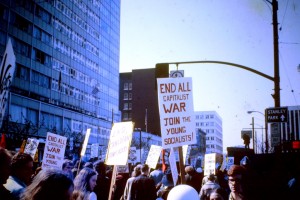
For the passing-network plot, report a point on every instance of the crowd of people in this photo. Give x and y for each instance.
(22, 180)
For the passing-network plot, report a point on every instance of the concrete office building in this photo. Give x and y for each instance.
(211, 123)
(67, 68)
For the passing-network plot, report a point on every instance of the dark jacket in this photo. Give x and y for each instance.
(143, 188)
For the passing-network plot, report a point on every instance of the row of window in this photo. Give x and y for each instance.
(205, 116)
(127, 86)
(127, 96)
(127, 116)
(24, 115)
(127, 106)
(204, 124)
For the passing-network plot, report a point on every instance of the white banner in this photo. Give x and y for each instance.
(209, 164)
(176, 111)
(173, 166)
(54, 151)
(119, 143)
(153, 156)
(7, 69)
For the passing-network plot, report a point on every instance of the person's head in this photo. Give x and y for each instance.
(235, 178)
(211, 177)
(100, 167)
(49, 184)
(189, 170)
(22, 167)
(136, 171)
(85, 180)
(5, 163)
(218, 194)
(89, 165)
(67, 165)
(145, 169)
(158, 166)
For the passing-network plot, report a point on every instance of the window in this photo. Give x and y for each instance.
(129, 96)
(125, 86)
(125, 106)
(125, 96)
(130, 86)
(129, 106)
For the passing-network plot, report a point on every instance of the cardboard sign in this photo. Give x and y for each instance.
(31, 146)
(173, 166)
(153, 156)
(119, 143)
(54, 151)
(176, 111)
(209, 164)
(7, 70)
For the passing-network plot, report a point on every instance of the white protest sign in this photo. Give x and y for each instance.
(176, 111)
(186, 149)
(209, 164)
(153, 156)
(7, 70)
(95, 150)
(119, 143)
(54, 151)
(85, 142)
(173, 166)
(31, 146)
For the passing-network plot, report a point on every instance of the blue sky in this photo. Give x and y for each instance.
(233, 31)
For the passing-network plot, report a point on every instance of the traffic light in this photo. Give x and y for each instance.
(161, 71)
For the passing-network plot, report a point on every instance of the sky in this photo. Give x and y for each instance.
(234, 31)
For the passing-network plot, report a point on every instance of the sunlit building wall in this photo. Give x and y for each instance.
(67, 66)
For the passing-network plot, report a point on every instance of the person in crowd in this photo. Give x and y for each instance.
(236, 173)
(143, 187)
(103, 182)
(67, 167)
(192, 178)
(77, 167)
(84, 184)
(21, 173)
(5, 162)
(136, 172)
(208, 187)
(119, 186)
(157, 175)
(167, 185)
(218, 194)
(49, 184)
(89, 165)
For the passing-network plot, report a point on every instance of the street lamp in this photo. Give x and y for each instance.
(266, 128)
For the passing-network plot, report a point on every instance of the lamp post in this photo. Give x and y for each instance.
(266, 128)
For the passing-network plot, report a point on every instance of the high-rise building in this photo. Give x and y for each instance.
(211, 123)
(138, 100)
(67, 68)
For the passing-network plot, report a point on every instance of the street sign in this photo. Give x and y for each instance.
(278, 115)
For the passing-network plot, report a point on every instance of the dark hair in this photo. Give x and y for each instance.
(236, 169)
(145, 168)
(19, 160)
(49, 184)
(66, 162)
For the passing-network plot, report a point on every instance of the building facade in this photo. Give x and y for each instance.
(138, 100)
(211, 123)
(67, 68)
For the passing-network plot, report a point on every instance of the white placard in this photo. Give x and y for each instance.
(176, 111)
(31, 146)
(119, 143)
(7, 69)
(209, 164)
(186, 149)
(95, 150)
(153, 156)
(54, 151)
(173, 166)
(86, 139)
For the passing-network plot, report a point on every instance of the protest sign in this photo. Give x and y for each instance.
(173, 166)
(85, 142)
(209, 164)
(31, 146)
(95, 150)
(54, 151)
(153, 156)
(186, 149)
(119, 143)
(176, 111)
(7, 68)
(132, 156)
